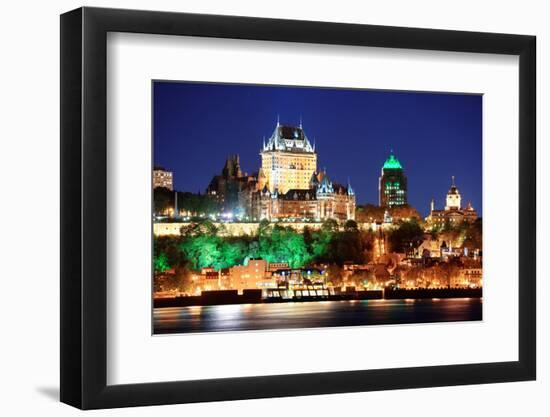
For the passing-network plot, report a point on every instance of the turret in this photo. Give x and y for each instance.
(325, 185)
(453, 197)
(350, 190)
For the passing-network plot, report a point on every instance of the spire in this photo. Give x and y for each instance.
(278, 120)
(264, 143)
(453, 181)
(325, 185)
(350, 190)
(314, 144)
(300, 121)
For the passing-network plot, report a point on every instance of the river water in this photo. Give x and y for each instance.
(295, 315)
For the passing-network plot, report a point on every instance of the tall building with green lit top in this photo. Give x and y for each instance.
(392, 185)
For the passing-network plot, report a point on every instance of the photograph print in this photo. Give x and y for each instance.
(286, 207)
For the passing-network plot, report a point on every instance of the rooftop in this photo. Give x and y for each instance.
(392, 163)
(288, 138)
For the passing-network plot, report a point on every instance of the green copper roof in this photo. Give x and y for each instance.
(392, 163)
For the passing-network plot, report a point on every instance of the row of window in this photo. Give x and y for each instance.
(308, 161)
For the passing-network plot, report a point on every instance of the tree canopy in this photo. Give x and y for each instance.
(408, 235)
(203, 244)
(197, 204)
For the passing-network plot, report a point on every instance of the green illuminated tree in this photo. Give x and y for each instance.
(321, 244)
(168, 245)
(160, 263)
(208, 253)
(201, 251)
(284, 245)
(231, 253)
(296, 250)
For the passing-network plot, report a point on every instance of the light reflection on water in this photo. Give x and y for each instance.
(313, 314)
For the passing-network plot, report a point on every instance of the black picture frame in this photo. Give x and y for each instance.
(84, 207)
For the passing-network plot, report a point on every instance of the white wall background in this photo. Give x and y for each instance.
(29, 172)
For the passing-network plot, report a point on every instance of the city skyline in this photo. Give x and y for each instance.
(282, 172)
(225, 119)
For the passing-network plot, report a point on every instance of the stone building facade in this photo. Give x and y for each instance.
(453, 214)
(288, 186)
(226, 186)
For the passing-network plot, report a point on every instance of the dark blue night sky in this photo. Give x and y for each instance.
(434, 135)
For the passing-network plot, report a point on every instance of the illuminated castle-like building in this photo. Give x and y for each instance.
(288, 185)
(454, 213)
(288, 160)
(392, 184)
